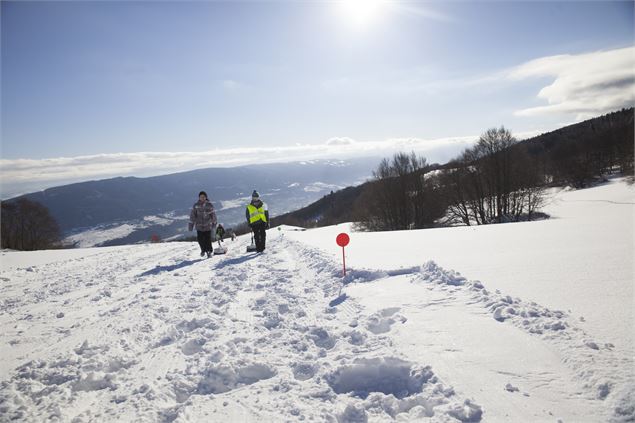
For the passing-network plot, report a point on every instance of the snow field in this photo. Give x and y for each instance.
(580, 260)
(154, 333)
(246, 336)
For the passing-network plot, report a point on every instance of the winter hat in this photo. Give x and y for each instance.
(255, 195)
(202, 193)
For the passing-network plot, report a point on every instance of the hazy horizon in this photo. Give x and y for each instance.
(92, 90)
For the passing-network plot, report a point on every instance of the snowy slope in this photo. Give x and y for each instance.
(154, 333)
(582, 259)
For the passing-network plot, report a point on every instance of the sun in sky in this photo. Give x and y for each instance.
(361, 13)
(88, 81)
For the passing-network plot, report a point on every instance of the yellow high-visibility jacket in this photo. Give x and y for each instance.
(256, 214)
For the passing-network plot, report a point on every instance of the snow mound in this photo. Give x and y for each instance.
(434, 403)
(217, 379)
(354, 413)
(321, 338)
(192, 325)
(528, 316)
(432, 272)
(94, 381)
(304, 371)
(382, 321)
(468, 412)
(625, 406)
(193, 346)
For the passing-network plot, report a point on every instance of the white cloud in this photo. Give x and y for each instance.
(27, 175)
(581, 86)
(585, 85)
(340, 141)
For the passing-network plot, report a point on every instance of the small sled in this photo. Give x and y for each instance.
(251, 248)
(220, 249)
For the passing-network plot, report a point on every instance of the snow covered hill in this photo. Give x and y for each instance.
(537, 327)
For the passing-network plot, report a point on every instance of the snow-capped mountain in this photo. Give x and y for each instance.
(127, 210)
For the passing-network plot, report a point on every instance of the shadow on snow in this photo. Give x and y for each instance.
(169, 268)
(237, 260)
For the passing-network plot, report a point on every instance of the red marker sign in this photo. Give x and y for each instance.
(343, 240)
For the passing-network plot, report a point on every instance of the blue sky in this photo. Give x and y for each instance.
(125, 79)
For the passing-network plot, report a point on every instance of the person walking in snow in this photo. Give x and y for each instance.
(257, 216)
(203, 218)
(220, 232)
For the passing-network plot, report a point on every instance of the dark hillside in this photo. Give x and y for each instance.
(575, 155)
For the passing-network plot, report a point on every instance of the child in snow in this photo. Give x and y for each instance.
(257, 216)
(220, 232)
(203, 217)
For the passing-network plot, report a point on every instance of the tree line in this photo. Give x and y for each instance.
(27, 225)
(578, 154)
(499, 179)
(488, 183)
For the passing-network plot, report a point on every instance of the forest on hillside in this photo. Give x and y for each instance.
(499, 179)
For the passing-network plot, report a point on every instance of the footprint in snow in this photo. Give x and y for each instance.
(382, 321)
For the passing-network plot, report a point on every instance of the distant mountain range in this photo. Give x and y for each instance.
(127, 209)
(311, 193)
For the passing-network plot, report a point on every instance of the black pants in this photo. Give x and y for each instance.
(204, 240)
(260, 235)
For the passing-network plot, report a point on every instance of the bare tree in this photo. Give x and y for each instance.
(492, 182)
(400, 197)
(28, 225)
(455, 181)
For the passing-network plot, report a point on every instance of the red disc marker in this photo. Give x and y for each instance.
(343, 240)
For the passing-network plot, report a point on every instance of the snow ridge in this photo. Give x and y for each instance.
(603, 374)
(595, 364)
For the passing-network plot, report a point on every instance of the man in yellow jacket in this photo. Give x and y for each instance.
(257, 216)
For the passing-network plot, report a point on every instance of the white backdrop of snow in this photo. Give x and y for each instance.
(537, 327)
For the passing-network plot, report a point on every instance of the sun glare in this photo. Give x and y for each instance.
(360, 12)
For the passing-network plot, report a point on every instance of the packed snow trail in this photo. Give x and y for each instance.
(248, 337)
